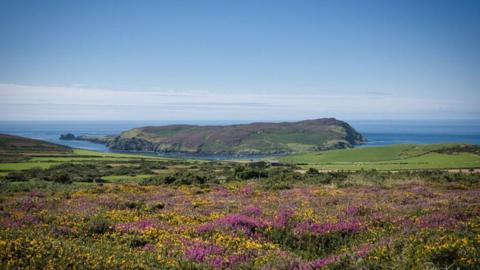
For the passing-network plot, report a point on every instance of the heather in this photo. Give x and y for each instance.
(319, 222)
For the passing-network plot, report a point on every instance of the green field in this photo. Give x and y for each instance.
(24, 165)
(394, 157)
(78, 155)
(84, 152)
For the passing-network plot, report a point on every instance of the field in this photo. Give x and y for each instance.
(87, 210)
(396, 157)
(76, 156)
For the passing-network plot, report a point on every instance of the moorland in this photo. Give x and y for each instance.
(392, 207)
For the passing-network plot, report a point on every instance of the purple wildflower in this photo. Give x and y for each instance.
(149, 247)
(440, 220)
(199, 251)
(247, 190)
(236, 221)
(140, 225)
(351, 226)
(319, 263)
(15, 223)
(252, 211)
(283, 218)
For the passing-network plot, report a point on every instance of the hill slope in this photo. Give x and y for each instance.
(16, 144)
(255, 138)
(15, 148)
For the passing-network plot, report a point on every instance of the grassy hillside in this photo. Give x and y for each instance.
(19, 153)
(16, 144)
(255, 138)
(394, 157)
(16, 148)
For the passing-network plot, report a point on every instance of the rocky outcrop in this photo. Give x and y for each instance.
(100, 139)
(67, 137)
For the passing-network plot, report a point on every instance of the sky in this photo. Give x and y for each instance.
(239, 60)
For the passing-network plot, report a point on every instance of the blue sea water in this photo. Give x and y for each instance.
(377, 132)
(380, 133)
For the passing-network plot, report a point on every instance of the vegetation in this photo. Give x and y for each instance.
(89, 210)
(256, 138)
(15, 148)
(424, 220)
(394, 157)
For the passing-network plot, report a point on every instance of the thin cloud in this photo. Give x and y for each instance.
(73, 103)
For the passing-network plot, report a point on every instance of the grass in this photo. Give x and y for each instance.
(24, 165)
(77, 159)
(394, 157)
(84, 152)
(78, 155)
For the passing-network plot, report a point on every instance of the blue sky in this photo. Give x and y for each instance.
(231, 60)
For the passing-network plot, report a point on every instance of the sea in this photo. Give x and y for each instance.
(377, 133)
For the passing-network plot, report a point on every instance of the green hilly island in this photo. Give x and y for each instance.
(254, 138)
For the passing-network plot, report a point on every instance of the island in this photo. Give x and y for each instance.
(260, 138)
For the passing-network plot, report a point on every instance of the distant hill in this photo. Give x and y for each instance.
(255, 138)
(16, 144)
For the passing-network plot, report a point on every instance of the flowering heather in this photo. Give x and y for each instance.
(283, 218)
(440, 220)
(199, 251)
(351, 226)
(140, 225)
(252, 211)
(242, 226)
(22, 220)
(233, 221)
(318, 263)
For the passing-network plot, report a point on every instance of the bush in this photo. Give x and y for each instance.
(62, 178)
(99, 226)
(137, 242)
(312, 172)
(156, 206)
(134, 204)
(17, 176)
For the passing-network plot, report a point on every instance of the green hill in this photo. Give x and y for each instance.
(16, 148)
(15, 144)
(255, 138)
(392, 157)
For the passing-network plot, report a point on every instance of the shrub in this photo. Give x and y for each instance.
(312, 172)
(134, 204)
(62, 178)
(156, 206)
(99, 226)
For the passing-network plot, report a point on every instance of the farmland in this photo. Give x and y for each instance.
(396, 157)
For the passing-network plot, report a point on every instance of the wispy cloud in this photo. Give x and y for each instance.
(25, 102)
